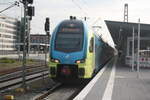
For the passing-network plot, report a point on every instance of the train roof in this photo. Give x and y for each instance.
(104, 33)
(79, 22)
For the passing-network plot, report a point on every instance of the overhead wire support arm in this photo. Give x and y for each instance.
(15, 4)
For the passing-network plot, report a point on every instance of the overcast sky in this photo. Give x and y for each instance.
(58, 10)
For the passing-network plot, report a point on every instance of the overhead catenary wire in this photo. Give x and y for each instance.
(5, 3)
(85, 3)
(96, 21)
(15, 4)
(85, 13)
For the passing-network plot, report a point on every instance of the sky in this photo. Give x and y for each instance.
(58, 10)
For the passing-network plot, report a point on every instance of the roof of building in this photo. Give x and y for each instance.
(126, 29)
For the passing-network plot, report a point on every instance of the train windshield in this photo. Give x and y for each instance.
(69, 37)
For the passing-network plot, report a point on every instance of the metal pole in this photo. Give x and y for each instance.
(24, 49)
(2, 46)
(28, 34)
(133, 50)
(46, 51)
(19, 36)
(47, 48)
(138, 55)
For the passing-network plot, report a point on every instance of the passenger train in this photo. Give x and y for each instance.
(76, 52)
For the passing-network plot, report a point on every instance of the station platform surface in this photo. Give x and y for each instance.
(118, 82)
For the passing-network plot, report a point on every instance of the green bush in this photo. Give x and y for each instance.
(30, 60)
(7, 60)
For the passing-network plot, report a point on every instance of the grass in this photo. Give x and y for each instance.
(6, 60)
(7, 63)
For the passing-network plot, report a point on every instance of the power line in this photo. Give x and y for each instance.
(79, 7)
(85, 4)
(6, 3)
(96, 21)
(15, 4)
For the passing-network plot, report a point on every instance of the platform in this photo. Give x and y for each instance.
(118, 82)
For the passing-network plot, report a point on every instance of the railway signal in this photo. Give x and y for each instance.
(27, 1)
(47, 26)
(47, 30)
(28, 11)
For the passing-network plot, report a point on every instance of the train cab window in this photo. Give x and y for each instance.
(69, 37)
(91, 47)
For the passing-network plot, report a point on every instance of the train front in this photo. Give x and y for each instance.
(68, 51)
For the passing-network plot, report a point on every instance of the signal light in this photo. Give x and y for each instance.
(28, 1)
(30, 11)
(47, 26)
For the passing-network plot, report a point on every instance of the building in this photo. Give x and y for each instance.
(122, 36)
(8, 34)
(38, 42)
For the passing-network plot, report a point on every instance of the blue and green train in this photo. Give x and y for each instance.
(76, 52)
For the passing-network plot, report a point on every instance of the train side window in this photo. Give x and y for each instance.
(91, 44)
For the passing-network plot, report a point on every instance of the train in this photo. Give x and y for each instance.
(76, 52)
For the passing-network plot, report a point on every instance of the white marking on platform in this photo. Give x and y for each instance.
(109, 89)
(120, 77)
(87, 89)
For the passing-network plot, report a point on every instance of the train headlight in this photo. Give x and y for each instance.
(80, 61)
(55, 60)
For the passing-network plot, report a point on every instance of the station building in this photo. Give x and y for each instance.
(122, 35)
(8, 34)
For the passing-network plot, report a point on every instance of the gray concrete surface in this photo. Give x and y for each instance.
(126, 86)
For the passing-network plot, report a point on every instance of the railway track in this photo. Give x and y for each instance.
(12, 70)
(15, 79)
(16, 74)
(61, 92)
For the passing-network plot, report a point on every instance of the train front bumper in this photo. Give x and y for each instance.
(77, 70)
